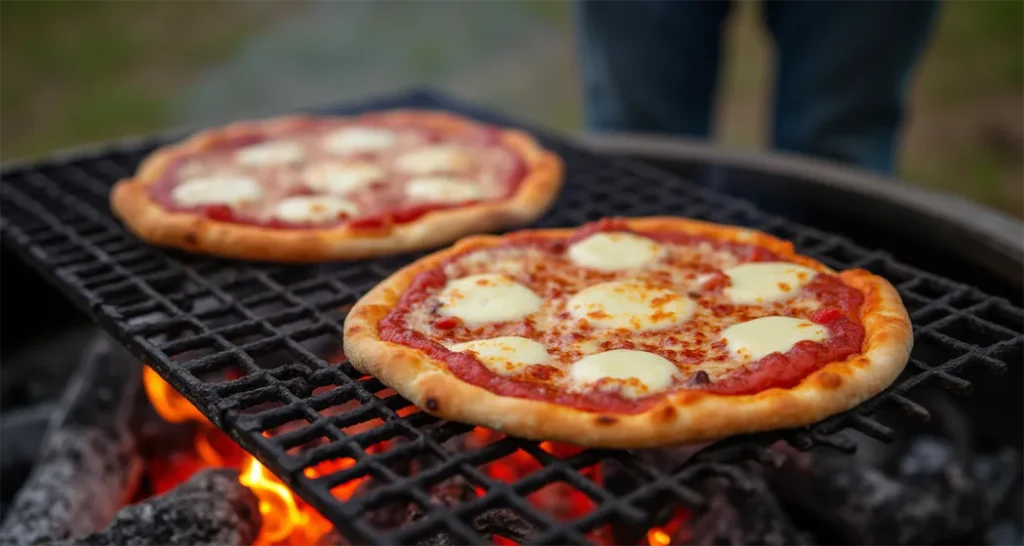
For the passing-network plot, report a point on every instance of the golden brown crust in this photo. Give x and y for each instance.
(681, 417)
(132, 203)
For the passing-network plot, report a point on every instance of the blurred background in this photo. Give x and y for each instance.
(79, 72)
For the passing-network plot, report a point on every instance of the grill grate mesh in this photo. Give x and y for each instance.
(246, 343)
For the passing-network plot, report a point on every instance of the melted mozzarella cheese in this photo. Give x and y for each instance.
(632, 305)
(433, 159)
(505, 355)
(762, 282)
(758, 338)
(479, 299)
(643, 372)
(313, 209)
(269, 153)
(615, 251)
(342, 179)
(359, 140)
(437, 189)
(230, 190)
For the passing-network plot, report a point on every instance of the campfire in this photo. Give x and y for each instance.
(288, 520)
(129, 460)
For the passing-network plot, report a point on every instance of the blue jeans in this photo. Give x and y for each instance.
(842, 70)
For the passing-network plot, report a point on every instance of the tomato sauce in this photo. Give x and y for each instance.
(839, 312)
(485, 137)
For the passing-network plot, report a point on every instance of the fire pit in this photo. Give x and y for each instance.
(253, 350)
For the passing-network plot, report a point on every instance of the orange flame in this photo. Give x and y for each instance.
(288, 521)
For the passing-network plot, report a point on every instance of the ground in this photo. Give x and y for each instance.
(80, 72)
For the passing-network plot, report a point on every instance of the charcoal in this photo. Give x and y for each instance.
(21, 435)
(212, 508)
(930, 497)
(89, 463)
(447, 494)
(739, 516)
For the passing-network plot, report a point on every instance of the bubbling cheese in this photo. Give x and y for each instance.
(505, 355)
(763, 282)
(342, 179)
(758, 338)
(269, 153)
(230, 190)
(615, 251)
(359, 140)
(479, 299)
(433, 159)
(641, 372)
(437, 189)
(632, 305)
(315, 209)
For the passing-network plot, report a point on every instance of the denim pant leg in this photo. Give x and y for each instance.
(650, 66)
(843, 69)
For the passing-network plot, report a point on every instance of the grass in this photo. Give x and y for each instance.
(73, 72)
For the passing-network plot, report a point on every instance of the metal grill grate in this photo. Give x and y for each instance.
(245, 343)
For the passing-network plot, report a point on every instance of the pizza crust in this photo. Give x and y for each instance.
(132, 203)
(681, 417)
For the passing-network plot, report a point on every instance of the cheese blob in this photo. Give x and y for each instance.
(341, 179)
(758, 338)
(230, 190)
(479, 299)
(632, 305)
(433, 159)
(269, 153)
(644, 373)
(359, 140)
(615, 251)
(439, 189)
(763, 282)
(505, 355)
(313, 209)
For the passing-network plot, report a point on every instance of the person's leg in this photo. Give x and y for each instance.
(650, 65)
(843, 69)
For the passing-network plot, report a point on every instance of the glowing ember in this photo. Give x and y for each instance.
(287, 520)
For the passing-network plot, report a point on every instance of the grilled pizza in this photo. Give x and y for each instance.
(630, 333)
(302, 189)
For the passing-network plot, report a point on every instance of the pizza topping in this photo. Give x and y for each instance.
(758, 338)
(505, 355)
(359, 140)
(634, 373)
(479, 299)
(320, 209)
(433, 160)
(632, 305)
(443, 190)
(230, 190)
(342, 178)
(615, 251)
(269, 153)
(761, 282)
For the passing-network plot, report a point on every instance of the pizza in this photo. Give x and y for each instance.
(630, 333)
(305, 189)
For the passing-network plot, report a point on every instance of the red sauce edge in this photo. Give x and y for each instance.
(839, 312)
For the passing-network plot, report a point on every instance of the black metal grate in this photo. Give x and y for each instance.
(246, 343)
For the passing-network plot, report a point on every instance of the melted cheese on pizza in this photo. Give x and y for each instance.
(389, 173)
(487, 298)
(652, 322)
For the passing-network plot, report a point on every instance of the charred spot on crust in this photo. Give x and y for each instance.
(699, 378)
(605, 420)
(190, 238)
(829, 380)
(667, 413)
(431, 404)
